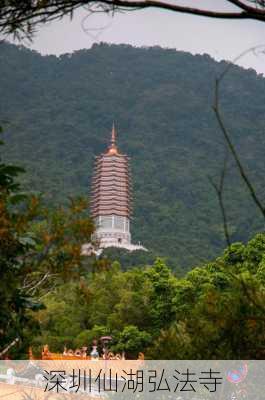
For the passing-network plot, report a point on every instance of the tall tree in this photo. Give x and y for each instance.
(39, 249)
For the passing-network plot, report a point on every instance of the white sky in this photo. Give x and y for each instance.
(222, 39)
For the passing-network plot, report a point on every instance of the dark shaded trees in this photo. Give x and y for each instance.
(39, 249)
(215, 312)
(15, 243)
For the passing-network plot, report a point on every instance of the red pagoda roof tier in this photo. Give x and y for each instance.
(114, 186)
(110, 199)
(109, 160)
(106, 213)
(106, 190)
(117, 200)
(114, 167)
(107, 202)
(112, 210)
(111, 178)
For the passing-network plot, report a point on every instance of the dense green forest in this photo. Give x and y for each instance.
(57, 114)
(52, 295)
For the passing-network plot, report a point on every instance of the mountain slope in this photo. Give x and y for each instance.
(58, 112)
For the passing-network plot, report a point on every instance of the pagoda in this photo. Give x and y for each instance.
(111, 199)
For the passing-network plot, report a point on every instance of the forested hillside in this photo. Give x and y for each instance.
(57, 114)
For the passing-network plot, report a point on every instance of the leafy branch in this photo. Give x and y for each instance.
(22, 17)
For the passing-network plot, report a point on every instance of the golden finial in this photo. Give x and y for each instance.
(113, 148)
(113, 134)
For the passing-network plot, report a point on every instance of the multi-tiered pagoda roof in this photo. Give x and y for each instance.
(111, 183)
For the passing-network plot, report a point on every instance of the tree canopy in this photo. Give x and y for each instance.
(52, 295)
(215, 312)
(39, 250)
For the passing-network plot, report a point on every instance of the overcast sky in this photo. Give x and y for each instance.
(222, 39)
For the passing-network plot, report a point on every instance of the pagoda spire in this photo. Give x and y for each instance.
(113, 150)
(113, 134)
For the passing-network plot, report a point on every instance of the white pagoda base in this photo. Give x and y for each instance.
(88, 249)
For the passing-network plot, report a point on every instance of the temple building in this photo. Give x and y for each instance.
(111, 199)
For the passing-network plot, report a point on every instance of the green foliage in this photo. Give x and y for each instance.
(162, 296)
(88, 336)
(39, 249)
(130, 340)
(215, 311)
(127, 258)
(60, 111)
(15, 243)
